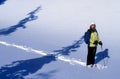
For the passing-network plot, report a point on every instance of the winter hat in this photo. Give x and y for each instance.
(92, 23)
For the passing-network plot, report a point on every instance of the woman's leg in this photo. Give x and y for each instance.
(91, 55)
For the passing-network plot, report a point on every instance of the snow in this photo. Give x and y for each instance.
(72, 61)
(47, 43)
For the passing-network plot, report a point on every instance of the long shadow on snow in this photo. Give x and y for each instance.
(2, 2)
(46, 75)
(19, 69)
(21, 23)
(71, 48)
(101, 56)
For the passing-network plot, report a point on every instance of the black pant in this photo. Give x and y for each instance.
(91, 55)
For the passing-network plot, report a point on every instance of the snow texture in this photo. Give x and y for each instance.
(42, 39)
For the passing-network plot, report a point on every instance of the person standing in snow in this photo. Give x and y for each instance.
(91, 38)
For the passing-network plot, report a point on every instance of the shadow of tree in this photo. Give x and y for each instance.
(21, 23)
(101, 56)
(47, 75)
(18, 69)
(71, 48)
(2, 1)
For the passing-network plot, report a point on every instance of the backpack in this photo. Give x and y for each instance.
(87, 36)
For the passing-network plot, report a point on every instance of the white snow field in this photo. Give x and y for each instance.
(42, 39)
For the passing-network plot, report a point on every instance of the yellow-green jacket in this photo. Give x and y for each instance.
(93, 37)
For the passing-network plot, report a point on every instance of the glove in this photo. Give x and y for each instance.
(96, 42)
(100, 43)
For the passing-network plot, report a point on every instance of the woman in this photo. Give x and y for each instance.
(92, 44)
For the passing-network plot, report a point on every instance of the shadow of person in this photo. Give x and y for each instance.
(21, 23)
(71, 48)
(101, 56)
(2, 1)
(18, 69)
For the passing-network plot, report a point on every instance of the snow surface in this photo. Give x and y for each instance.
(42, 39)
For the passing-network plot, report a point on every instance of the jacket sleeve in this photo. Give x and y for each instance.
(98, 39)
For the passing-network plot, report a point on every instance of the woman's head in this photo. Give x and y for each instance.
(93, 27)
